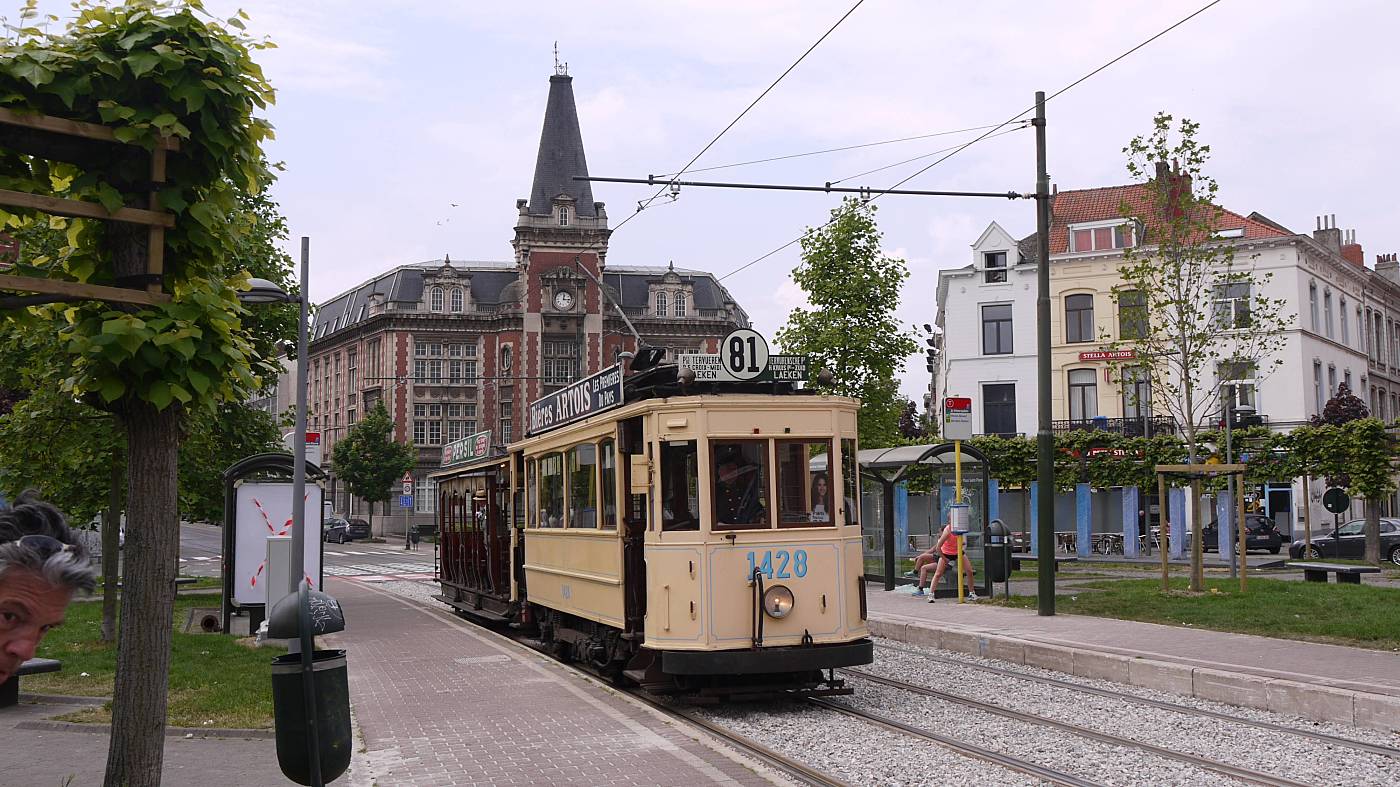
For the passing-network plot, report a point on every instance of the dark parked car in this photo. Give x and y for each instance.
(1261, 535)
(340, 530)
(1349, 541)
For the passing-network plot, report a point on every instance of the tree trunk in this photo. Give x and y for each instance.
(134, 756)
(370, 503)
(111, 552)
(1373, 531)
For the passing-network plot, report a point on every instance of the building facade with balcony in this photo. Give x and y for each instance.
(451, 347)
(1343, 326)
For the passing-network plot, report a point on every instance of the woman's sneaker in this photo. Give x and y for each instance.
(918, 591)
(971, 596)
(931, 597)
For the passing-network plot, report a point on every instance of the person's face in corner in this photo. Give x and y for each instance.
(29, 608)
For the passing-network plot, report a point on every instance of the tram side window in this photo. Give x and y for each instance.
(531, 495)
(583, 489)
(804, 495)
(552, 490)
(680, 485)
(850, 476)
(607, 472)
(740, 484)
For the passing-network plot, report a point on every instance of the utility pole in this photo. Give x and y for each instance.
(1045, 440)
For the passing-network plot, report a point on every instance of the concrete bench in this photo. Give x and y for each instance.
(9, 690)
(1317, 572)
(1017, 557)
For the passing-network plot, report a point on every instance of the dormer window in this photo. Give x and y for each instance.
(563, 216)
(435, 299)
(661, 304)
(1101, 236)
(1230, 232)
(994, 267)
(680, 304)
(456, 299)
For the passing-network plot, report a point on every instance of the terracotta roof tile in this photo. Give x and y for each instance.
(1085, 205)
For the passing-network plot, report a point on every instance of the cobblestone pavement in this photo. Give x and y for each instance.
(437, 702)
(56, 758)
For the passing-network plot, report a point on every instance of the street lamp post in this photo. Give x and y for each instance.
(264, 291)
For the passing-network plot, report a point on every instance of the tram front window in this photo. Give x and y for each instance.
(680, 484)
(804, 495)
(850, 477)
(741, 484)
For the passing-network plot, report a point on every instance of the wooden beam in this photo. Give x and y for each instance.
(79, 291)
(86, 210)
(74, 128)
(155, 238)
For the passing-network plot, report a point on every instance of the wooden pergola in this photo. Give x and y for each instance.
(1196, 473)
(61, 139)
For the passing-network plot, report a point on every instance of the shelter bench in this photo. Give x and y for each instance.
(1317, 572)
(9, 690)
(1016, 559)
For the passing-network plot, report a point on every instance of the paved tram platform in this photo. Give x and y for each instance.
(439, 702)
(1313, 680)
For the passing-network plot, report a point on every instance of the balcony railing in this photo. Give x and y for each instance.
(1128, 427)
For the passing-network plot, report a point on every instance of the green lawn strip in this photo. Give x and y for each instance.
(1363, 616)
(214, 680)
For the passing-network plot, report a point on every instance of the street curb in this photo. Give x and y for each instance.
(170, 732)
(1358, 708)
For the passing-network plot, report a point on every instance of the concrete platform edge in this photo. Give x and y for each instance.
(1371, 710)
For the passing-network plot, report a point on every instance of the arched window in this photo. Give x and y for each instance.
(1312, 304)
(680, 304)
(661, 304)
(435, 299)
(456, 299)
(563, 216)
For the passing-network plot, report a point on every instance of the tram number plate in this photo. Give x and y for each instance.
(779, 564)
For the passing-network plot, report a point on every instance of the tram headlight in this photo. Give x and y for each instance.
(778, 601)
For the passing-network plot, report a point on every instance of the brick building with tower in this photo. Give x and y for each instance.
(454, 347)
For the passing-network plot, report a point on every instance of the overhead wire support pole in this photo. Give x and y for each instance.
(1045, 438)
(865, 192)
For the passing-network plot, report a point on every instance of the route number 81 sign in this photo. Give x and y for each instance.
(745, 354)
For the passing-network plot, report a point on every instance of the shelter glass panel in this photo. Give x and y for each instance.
(740, 471)
(804, 495)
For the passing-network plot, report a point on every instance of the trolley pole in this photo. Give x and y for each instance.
(1045, 439)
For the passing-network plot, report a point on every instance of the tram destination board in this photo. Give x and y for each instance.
(586, 397)
(711, 368)
(468, 449)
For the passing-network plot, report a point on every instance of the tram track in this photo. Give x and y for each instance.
(1321, 737)
(1205, 763)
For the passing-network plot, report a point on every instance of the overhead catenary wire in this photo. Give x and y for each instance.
(643, 205)
(987, 134)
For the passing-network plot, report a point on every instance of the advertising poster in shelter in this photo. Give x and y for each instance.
(263, 509)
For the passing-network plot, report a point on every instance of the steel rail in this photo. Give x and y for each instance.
(1322, 737)
(1226, 769)
(962, 747)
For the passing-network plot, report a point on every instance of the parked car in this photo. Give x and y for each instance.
(340, 529)
(1261, 534)
(1349, 541)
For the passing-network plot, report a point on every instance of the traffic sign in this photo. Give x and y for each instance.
(405, 501)
(407, 484)
(957, 418)
(1335, 500)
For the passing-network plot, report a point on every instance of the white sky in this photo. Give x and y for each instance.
(389, 112)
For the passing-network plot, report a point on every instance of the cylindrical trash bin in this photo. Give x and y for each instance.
(998, 551)
(332, 715)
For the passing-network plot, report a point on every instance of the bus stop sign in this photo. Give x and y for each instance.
(957, 418)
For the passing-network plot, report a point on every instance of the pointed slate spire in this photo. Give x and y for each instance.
(561, 154)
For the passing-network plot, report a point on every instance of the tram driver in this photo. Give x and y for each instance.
(739, 488)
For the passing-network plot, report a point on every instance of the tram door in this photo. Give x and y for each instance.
(497, 554)
(634, 522)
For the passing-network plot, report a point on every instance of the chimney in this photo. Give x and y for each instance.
(1388, 265)
(1327, 233)
(1351, 250)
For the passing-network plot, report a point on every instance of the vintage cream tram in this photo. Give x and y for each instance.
(685, 535)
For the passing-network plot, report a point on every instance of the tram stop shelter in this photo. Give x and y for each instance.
(927, 469)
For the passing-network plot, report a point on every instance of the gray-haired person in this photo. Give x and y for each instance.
(41, 564)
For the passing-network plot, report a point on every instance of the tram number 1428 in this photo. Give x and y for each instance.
(775, 564)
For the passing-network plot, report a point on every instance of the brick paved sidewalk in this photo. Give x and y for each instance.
(439, 702)
(54, 758)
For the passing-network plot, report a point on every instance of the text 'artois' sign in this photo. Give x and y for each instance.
(586, 397)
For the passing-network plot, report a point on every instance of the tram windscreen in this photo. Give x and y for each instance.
(680, 486)
(804, 495)
(741, 484)
(850, 476)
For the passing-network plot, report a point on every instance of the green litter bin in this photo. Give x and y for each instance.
(332, 715)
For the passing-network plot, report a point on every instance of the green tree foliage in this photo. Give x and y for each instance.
(369, 461)
(850, 329)
(213, 442)
(1360, 453)
(1199, 317)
